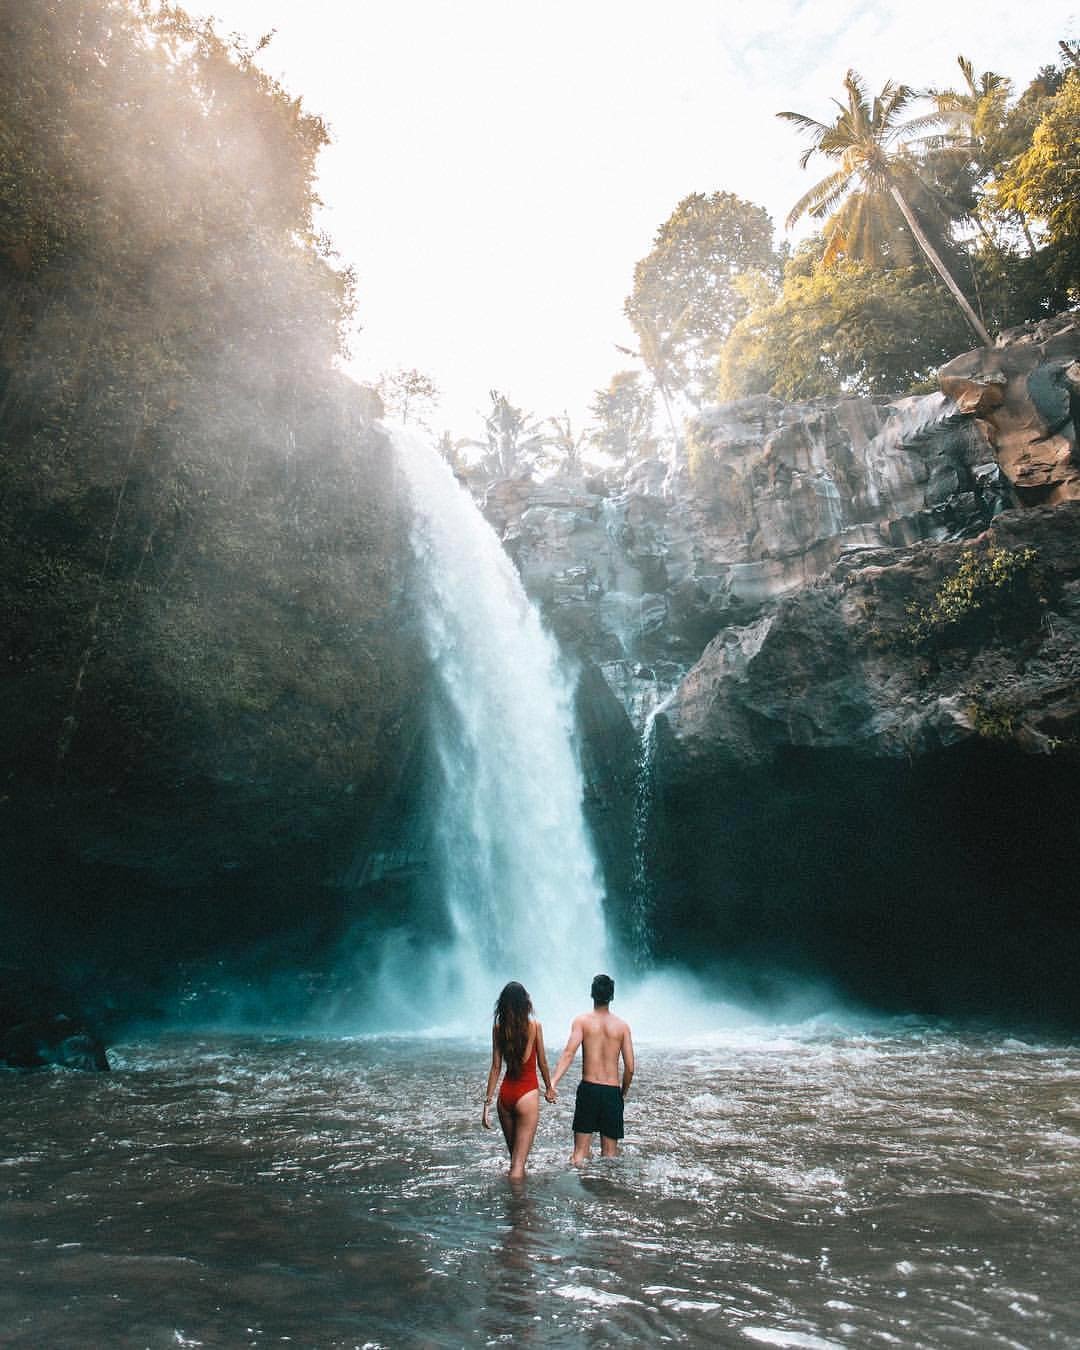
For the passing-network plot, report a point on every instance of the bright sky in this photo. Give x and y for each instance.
(500, 165)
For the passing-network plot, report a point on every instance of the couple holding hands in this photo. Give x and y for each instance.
(517, 1041)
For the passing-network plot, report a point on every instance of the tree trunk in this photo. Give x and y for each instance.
(939, 267)
(670, 417)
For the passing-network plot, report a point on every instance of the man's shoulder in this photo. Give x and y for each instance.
(607, 1022)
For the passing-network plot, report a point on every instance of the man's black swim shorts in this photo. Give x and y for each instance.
(598, 1107)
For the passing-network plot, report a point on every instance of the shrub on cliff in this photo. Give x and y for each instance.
(988, 593)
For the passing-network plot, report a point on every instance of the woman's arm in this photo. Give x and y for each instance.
(493, 1078)
(542, 1064)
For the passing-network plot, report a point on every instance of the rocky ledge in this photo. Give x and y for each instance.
(874, 785)
(638, 572)
(900, 652)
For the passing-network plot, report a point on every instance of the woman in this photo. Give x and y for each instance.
(517, 1040)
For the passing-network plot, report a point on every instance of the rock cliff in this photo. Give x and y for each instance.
(860, 623)
(212, 691)
(638, 573)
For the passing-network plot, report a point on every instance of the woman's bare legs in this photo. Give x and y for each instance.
(508, 1123)
(520, 1129)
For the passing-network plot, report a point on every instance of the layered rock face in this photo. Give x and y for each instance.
(846, 662)
(850, 665)
(637, 575)
(840, 797)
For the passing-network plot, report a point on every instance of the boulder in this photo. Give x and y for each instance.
(42, 1025)
(1024, 392)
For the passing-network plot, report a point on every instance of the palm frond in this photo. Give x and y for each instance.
(921, 123)
(834, 185)
(853, 83)
(801, 120)
(831, 199)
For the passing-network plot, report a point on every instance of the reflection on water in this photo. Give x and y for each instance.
(813, 1188)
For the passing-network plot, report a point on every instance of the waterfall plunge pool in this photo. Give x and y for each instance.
(811, 1186)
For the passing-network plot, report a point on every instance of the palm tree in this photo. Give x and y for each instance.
(978, 111)
(514, 439)
(854, 200)
(568, 445)
(976, 119)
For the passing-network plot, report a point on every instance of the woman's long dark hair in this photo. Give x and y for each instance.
(512, 1009)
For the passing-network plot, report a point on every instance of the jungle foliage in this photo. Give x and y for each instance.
(179, 456)
(969, 189)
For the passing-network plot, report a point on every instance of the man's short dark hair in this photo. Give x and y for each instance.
(603, 989)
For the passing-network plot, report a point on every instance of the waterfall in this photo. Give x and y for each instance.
(513, 855)
(642, 898)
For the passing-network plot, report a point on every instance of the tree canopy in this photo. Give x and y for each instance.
(171, 421)
(408, 394)
(684, 301)
(1044, 182)
(849, 328)
(858, 309)
(624, 412)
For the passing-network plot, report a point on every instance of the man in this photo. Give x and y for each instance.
(604, 1038)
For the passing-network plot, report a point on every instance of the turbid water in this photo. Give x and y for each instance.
(808, 1186)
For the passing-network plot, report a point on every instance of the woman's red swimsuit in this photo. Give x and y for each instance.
(516, 1086)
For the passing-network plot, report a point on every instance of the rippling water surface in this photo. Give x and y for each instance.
(808, 1188)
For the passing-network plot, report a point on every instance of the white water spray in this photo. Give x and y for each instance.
(519, 876)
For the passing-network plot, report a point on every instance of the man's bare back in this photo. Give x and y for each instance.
(605, 1040)
(602, 1037)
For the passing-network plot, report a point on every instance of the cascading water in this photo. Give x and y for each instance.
(517, 869)
(642, 898)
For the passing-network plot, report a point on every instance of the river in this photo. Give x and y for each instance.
(816, 1185)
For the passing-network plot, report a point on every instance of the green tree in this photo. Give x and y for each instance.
(684, 300)
(658, 352)
(876, 175)
(169, 318)
(408, 394)
(849, 328)
(973, 143)
(566, 446)
(624, 414)
(1014, 275)
(978, 111)
(1044, 182)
